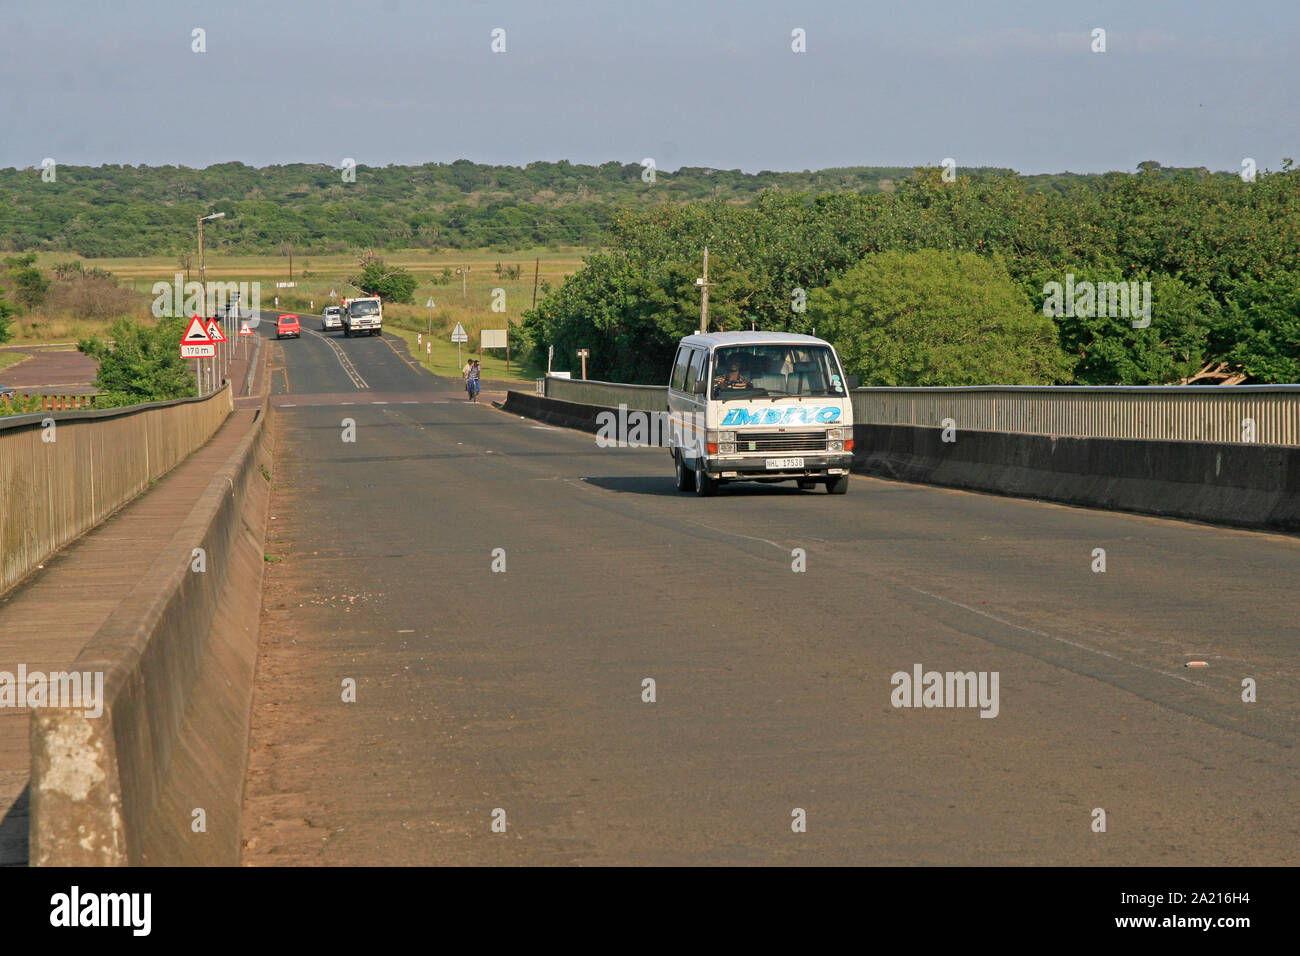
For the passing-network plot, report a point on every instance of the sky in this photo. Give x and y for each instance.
(1007, 83)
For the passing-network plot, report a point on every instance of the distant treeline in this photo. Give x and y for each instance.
(110, 211)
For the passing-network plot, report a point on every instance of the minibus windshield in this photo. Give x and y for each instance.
(774, 371)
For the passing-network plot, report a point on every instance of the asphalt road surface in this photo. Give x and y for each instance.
(517, 695)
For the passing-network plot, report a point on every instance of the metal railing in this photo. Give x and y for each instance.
(48, 403)
(1264, 414)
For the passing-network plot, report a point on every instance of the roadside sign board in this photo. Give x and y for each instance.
(492, 339)
(458, 334)
(196, 343)
(196, 333)
(214, 332)
(244, 329)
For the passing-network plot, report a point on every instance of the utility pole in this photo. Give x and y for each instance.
(703, 283)
(536, 268)
(203, 276)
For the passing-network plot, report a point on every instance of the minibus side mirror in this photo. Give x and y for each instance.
(852, 381)
(701, 386)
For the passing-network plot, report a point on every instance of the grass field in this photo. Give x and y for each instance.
(467, 299)
(441, 359)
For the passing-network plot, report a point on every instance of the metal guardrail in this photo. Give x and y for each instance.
(1263, 414)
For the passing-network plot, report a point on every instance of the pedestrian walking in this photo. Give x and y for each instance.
(472, 380)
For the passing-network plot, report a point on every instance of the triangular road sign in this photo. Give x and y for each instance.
(458, 334)
(214, 332)
(196, 334)
(244, 329)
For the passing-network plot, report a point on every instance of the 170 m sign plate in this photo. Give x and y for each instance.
(198, 351)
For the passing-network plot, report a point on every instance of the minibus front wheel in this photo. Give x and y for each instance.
(685, 480)
(705, 487)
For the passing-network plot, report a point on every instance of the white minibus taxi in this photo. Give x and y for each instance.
(759, 406)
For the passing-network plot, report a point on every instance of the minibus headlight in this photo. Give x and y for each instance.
(833, 434)
(835, 446)
(726, 436)
(726, 448)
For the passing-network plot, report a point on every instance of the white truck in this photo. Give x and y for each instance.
(364, 314)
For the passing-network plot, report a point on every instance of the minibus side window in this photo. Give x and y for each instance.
(679, 369)
(693, 373)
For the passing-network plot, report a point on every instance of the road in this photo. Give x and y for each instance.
(521, 690)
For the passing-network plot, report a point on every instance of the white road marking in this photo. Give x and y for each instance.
(1061, 640)
(734, 534)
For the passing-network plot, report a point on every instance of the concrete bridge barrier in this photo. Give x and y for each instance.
(63, 472)
(168, 754)
(1229, 455)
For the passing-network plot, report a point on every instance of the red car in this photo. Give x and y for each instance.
(288, 325)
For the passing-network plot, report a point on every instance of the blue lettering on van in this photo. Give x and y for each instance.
(739, 416)
(781, 416)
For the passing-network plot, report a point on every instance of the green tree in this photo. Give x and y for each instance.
(390, 283)
(6, 315)
(935, 318)
(1107, 349)
(1260, 329)
(30, 285)
(143, 364)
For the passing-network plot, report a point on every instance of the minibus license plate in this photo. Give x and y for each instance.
(781, 464)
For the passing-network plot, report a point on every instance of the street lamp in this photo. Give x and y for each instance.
(203, 279)
(202, 276)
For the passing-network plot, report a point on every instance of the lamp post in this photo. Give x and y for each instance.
(203, 278)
